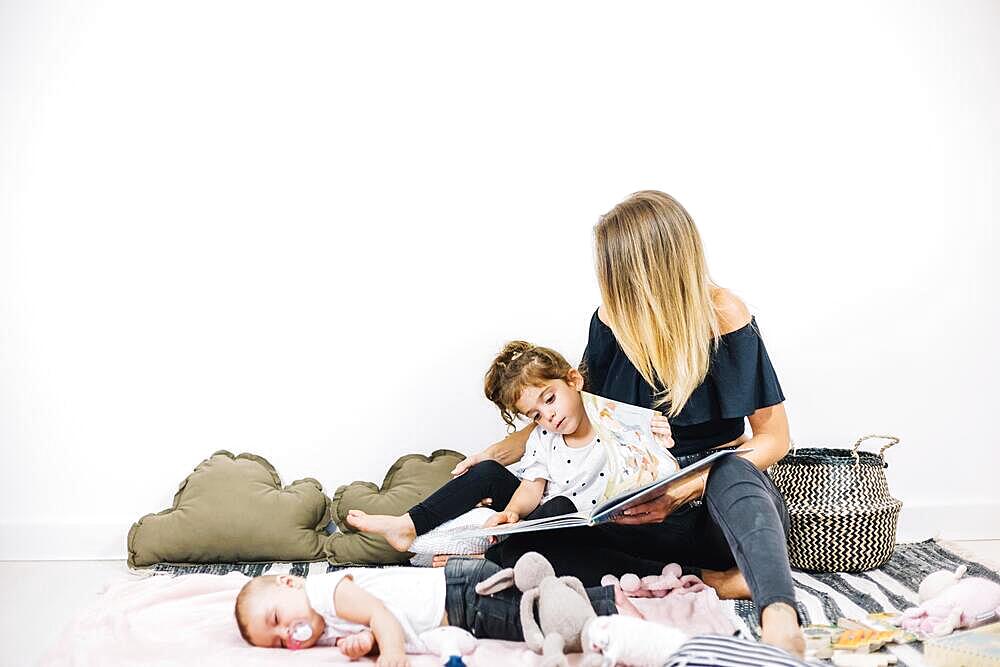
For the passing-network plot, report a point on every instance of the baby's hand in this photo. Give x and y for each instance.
(356, 646)
(661, 431)
(506, 516)
(393, 660)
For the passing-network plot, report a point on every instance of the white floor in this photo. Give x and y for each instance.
(53, 591)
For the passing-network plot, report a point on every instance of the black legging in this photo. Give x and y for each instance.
(743, 521)
(488, 479)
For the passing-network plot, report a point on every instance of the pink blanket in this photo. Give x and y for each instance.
(695, 613)
(164, 621)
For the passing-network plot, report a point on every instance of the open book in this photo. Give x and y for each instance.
(638, 468)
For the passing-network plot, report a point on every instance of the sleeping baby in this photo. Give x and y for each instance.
(386, 610)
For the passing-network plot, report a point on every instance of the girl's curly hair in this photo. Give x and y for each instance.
(519, 365)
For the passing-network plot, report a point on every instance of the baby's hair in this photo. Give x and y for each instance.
(249, 589)
(519, 365)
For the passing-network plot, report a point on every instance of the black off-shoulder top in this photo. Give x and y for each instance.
(740, 380)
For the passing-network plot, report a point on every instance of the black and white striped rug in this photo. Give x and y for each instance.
(822, 598)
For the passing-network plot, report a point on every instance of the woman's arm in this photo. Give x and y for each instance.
(356, 605)
(507, 451)
(770, 436)
(769, 443)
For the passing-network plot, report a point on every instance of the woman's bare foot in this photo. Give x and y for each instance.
(440, 560)
(779, 626)
(729, 584)
(398, 531)
(357, 645)
(625, 606)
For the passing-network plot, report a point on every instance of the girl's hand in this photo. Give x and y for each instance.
(393, 660)
(661, 431)
(507, 516)
(658, 509)
(468, 462)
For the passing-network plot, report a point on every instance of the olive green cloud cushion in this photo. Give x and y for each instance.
(410, 479)
(233, 508)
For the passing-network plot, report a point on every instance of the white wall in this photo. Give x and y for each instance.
(303, 229)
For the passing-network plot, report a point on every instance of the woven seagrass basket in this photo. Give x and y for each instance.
(843, 518)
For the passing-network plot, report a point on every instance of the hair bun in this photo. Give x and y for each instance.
(513, 350)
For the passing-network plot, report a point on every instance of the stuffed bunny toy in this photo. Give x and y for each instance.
(949, 602)
(564, 609)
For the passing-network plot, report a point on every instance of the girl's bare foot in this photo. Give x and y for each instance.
(779, 626)
(440, 560)
(625, 606)
(729, 584)
(398, 531)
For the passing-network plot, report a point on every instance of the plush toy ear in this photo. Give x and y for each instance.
(500, 581)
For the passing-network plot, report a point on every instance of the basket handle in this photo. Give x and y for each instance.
(893, 440)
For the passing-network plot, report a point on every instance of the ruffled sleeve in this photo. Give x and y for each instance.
(535, 462)
(597, 356)
(740, 381)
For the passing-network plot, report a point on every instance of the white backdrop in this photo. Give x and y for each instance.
(303, 229)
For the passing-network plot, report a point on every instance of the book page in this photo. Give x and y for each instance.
(611, 509)
(572, 520)
(634, 455)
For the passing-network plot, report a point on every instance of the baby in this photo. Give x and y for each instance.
(562, 457)
(388, 609)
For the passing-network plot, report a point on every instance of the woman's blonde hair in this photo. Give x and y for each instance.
(657, 293)
(520, 365)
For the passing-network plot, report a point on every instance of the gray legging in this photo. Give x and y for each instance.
(743, 521)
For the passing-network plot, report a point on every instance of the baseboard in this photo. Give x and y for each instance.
(949, 521)
(106, 541)
(63, 541)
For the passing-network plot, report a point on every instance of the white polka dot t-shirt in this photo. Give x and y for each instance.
(575, 472)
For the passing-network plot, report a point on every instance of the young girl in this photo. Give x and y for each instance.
(562, 457)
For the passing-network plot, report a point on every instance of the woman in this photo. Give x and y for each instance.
(666, 337)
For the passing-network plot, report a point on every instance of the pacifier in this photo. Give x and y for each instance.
(298, 634)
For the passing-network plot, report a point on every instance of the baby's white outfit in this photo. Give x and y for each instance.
(415, 596)
(575, 472)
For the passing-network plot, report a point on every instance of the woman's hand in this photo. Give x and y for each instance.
(661, 431)
(468, 462)
(507, 516)
(507, 451)
(658, 509)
